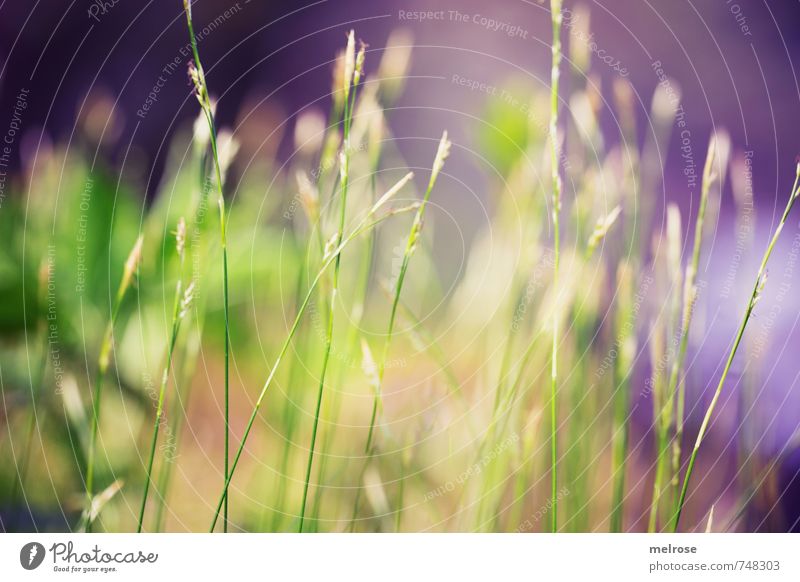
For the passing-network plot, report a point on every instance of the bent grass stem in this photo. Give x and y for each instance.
(198, 77)
(364, 226)
(758, 288)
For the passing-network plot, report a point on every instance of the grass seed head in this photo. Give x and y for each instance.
(665, 103)
(186, 301)
(762, 283)
(201, 133)
(391, 192)
(441, 155)
(359, 67)
(579, 51)
(338, 81)
(709, 170)
(603, 226)
(369, 367)
(796, 193)
(309, 131)
(393, 68)
(196, 79)
(180, 237)
(131, 264)
(349, 63)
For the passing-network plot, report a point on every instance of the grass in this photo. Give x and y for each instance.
(353, 69)
(442, 153)
(556, 16)
(663, 417)
(366, 224)
(181, 304)
(502, 384)
(106, 349)
(758, 289)
(625, 322)
(201, 91)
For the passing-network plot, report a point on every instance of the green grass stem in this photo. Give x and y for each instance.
(758, 287)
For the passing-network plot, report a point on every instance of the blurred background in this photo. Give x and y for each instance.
(95, 103)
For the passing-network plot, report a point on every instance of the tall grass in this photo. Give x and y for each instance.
(516, 368)
(353, 68)
(181, 304)
(755, 295)
(192, 343)
(201, 91)
(555, 73)
(442, 153)
(664, 418)
(625, 326)
(370, 221)
(106, 348)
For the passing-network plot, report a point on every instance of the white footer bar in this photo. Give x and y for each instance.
(403, 557)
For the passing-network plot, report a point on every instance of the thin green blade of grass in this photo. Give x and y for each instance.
(442, 152)
(664, 419)
(365, 225)
(353, 68)
(131, 266)
(625, 329)
(181, 304)
(192, 344)
(201, 90)
(556, 17)
(662, 409)
(374, 131)
(758, 288)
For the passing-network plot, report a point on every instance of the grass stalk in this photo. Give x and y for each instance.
(625, 328)
(665, 418)
(181, 304)
(356, 315)
(758, 288)
(353, 66)
(365, 225)
(555, 11)
(442, 152)
(192, 344)
(201, 91)
(290, 409)
(131, 265)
